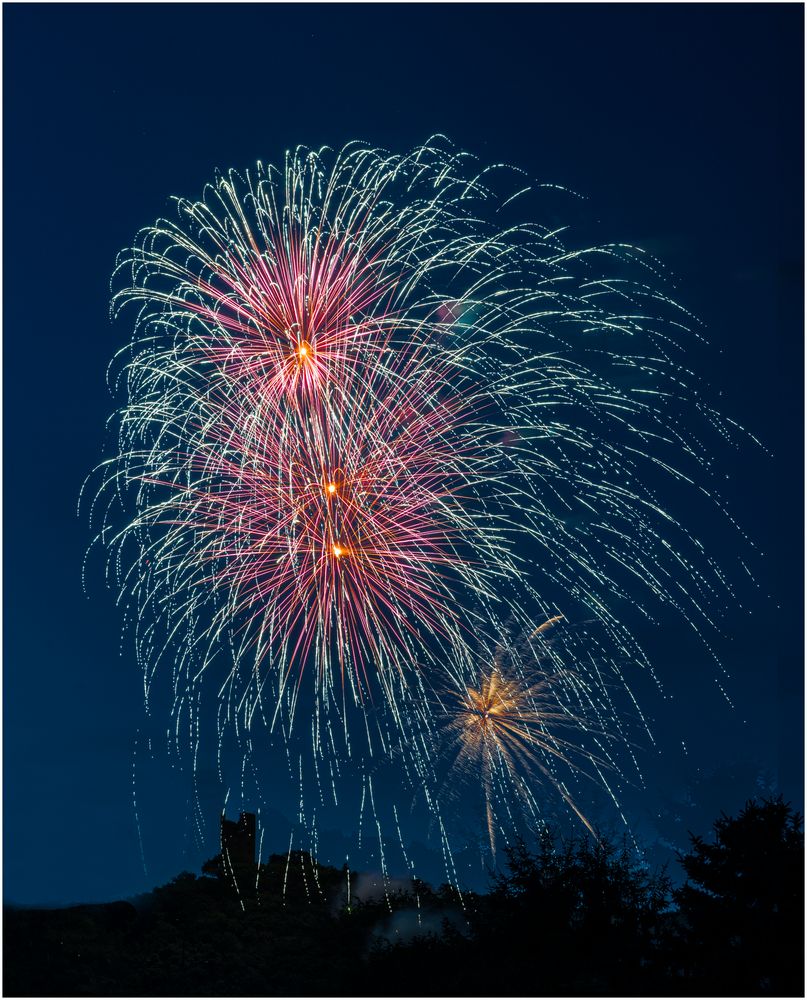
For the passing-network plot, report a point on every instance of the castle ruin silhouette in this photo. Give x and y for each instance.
(238, 840)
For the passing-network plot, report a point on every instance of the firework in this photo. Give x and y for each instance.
(510, 729)
(367, 418)
(324, 540)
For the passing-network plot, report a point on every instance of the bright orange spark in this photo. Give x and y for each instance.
(546, 625)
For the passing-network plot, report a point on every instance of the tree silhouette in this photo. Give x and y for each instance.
(742, 904)
(579, 917)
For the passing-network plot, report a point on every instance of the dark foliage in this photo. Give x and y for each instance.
(743, 904)
(192, 937)
(579, 917)
(576, 918)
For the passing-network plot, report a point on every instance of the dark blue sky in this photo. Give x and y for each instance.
(683, 126)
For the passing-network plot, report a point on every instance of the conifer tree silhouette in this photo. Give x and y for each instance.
(742, 904)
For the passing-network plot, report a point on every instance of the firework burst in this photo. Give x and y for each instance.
(509, 730)
(366, 419)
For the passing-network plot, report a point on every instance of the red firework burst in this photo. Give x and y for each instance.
(331, 522)
(284, 308)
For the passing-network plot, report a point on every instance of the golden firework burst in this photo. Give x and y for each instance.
(508, 725)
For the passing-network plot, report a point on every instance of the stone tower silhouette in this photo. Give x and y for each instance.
(238, 840)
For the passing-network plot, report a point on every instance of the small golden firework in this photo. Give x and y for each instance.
(508, 725)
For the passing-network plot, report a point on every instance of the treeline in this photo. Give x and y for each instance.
(570, 918)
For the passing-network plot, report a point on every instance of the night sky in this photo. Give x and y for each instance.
(683, 127)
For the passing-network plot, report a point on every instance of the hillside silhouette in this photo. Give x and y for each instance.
(571, 917)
